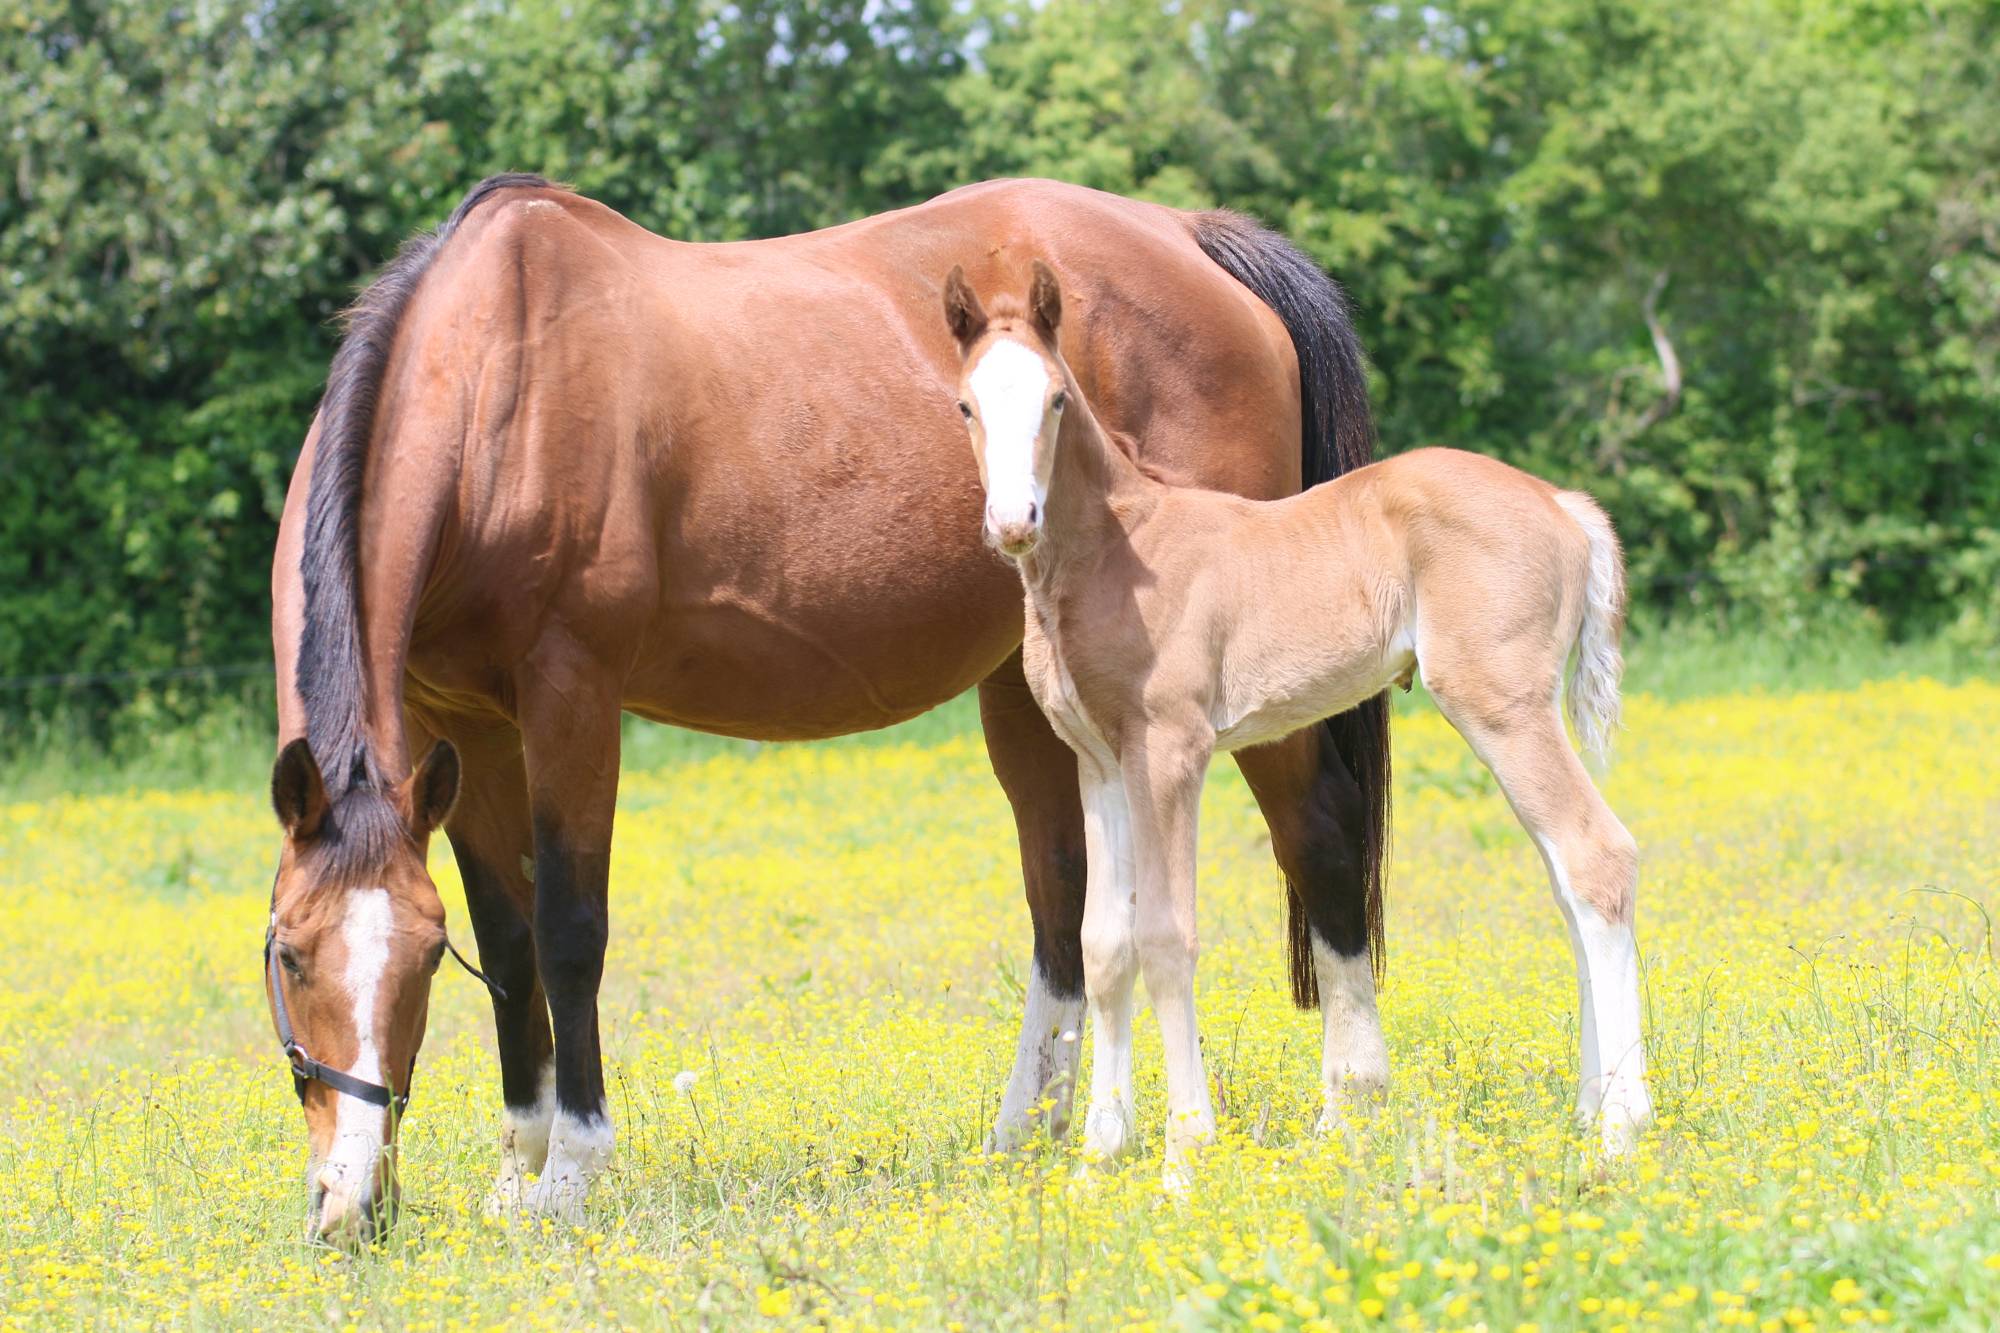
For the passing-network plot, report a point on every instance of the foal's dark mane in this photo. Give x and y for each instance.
(361, 825)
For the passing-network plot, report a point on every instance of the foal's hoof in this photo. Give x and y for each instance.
(1107, 1133)
(1624, 1115)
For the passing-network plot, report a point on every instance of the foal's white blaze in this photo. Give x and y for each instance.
(1011, 385)
(360, 1130)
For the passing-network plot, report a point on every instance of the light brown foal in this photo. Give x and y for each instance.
(1165, 623)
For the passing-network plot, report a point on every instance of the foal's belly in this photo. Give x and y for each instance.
(1265, 710)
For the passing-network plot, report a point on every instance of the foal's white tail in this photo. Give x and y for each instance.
(1593, 689)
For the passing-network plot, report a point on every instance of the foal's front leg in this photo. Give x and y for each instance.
(1110, 957)
(1163, 780)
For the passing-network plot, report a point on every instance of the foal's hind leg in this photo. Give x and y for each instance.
(1593, 864)
(1038, 773)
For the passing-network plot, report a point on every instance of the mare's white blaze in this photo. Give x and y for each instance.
(1614, 1085)
(1355, 1060)
(1011, 386)
(359, 1129)
(579, 1150)
(1110, 963)
(1044, 1065)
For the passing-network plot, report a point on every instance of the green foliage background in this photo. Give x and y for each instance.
(190, 191)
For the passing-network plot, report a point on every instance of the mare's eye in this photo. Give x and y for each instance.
(290, 958)
(965, 410)
(1057, 403)
(437, 957)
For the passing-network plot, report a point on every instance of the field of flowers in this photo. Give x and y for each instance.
(826, 945)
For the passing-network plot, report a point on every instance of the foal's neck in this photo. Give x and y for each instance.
(1097, 496)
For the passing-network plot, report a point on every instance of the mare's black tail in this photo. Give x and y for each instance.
(1338, 435)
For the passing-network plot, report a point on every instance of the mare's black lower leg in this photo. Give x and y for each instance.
(493, 845)
(1326, 840)
(571, 747)
(1038, 773)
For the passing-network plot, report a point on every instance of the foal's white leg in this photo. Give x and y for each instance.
(1594, 869)
(1045, 1063)
(1110, 961)
(524, 1145)
(1589, 1087)
(1163, 789)
(1613, 1086)
(1354, 1064)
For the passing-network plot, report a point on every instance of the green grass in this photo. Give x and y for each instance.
(229, 745)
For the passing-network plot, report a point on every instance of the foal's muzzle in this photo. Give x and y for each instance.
(1014, 533)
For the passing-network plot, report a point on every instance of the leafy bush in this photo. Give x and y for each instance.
(1800, 193)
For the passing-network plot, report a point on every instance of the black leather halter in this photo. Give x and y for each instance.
(305, 1069)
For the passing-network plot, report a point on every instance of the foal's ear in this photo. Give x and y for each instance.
(433, 787)
(962, 310)
(297, 793)
(1045, 300)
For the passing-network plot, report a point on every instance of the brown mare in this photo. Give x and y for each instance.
(565, 467)
(1164, 623)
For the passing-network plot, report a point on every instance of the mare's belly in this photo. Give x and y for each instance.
(825, 652)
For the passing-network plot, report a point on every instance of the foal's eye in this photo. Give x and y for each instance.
(1057, 403)
(437, 957)
(965, 410)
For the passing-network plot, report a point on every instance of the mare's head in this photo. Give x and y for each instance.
(357, 930)
(1012, 387)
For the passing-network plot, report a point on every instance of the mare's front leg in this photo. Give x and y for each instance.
(493, 843)
(1163, 775)
(1318, 816)
(569, 722)
(1038, 773)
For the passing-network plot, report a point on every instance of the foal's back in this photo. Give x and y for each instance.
(1296, 609)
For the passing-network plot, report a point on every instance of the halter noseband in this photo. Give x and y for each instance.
(305, 1069)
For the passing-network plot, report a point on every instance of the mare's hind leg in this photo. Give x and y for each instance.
(1318, 815)
(493, 843)
(1514, 725)
(1038, 773)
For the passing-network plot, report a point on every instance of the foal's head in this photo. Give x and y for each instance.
(1012, 388)
(357, 930)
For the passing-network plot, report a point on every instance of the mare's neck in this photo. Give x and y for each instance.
(1097, 496)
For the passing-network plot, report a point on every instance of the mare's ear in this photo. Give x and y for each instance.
(1045, 300)
(433, 787)
(297, 793)
(962, 310)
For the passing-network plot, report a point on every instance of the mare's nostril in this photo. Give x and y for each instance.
(1033, 513)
